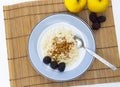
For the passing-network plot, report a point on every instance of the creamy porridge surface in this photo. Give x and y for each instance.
(58, 43)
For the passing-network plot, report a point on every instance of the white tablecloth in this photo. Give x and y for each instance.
(4, 71)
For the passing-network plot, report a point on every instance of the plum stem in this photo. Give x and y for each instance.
(78, 0)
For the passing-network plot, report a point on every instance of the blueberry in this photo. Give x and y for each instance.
(47, 59)
(96, 26)
(61, 66)
(93, 17)
(54, 64)
(101, 19)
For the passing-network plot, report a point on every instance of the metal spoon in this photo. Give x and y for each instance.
(80, 44)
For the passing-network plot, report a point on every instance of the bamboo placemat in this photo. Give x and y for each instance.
(21, 18)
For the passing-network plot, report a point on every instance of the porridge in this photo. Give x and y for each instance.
(58, 43)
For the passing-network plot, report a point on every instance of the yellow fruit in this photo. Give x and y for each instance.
(75, 5)
(97, 6)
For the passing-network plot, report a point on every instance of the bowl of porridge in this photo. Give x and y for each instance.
(53, 52)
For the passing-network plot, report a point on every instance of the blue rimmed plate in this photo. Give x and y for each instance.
(35, 56)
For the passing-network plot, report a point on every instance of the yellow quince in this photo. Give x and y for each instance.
(97, 6)
(75, 6)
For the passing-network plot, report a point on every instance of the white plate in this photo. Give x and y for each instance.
(84, 61)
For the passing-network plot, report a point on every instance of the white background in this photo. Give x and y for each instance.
(4, 71)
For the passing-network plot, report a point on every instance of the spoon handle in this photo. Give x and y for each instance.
(101, 59)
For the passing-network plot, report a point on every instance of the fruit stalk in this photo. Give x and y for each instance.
(78, 0)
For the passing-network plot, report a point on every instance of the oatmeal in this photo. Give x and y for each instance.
(59, 44)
